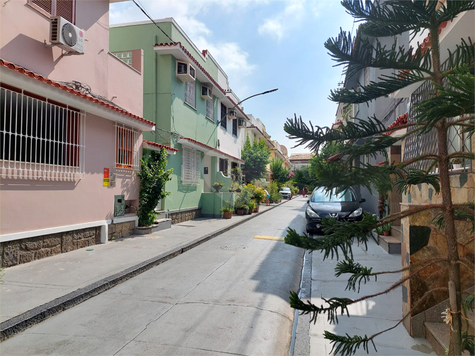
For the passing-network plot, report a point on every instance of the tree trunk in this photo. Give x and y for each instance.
(455, 298)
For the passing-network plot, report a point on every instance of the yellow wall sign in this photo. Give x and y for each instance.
(106, 181)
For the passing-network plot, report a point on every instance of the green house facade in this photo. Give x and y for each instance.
(186, 95)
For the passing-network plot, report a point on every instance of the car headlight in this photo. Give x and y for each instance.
(312, 213)
(356, 213)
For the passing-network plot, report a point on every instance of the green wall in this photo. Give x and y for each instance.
(164, 104)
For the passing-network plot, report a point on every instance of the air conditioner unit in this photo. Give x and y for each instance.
(185, 72)
(241, 123)
(232, 114)
(66, 36)
(206, 93)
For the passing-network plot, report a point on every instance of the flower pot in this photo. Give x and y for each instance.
(457, 166)
(385, 233)
(245, 211)
(227, 214)
(240, 211)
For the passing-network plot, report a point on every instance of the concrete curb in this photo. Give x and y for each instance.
(36, 315)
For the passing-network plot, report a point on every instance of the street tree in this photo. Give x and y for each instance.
(280, 174)
(256, 156)
(450, 106)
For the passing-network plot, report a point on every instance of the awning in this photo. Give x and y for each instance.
(210, 151)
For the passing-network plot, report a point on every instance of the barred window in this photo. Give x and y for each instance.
(224, 117)
(190, 93)
(40, 138)
(235, 127)
(126, 152)
(64, 8)
(191, 166)
(209, 109)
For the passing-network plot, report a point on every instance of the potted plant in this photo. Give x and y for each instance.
(379, 230)
(386, 229)
(245, 209)
(259, 197)
(217, 186)
(227, 211)
(457, 163)
(252, 206)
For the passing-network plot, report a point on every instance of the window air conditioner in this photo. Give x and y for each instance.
(206, 93)
(232, 114)
(66, 36)
(185, 72)
(241, 123)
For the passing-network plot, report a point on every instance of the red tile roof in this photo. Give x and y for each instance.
(160, 146)
(400, 121)
(56, 84)
(211, 148)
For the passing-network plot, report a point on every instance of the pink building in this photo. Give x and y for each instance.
(70, 130)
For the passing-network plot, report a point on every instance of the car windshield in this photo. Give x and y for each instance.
(286, 189)
(320, 195)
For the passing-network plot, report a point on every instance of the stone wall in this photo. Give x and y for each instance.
(119, 230)
(16, 252)
(186, 215)
(422, 240)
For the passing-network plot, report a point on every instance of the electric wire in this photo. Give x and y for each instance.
(150, 18)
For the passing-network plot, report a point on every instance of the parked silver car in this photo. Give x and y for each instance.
(286, 193)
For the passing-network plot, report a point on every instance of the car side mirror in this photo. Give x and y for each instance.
(362, 200)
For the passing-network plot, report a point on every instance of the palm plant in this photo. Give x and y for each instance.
(450, 105)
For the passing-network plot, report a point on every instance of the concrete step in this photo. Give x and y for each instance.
(438, 336)
(392, 244)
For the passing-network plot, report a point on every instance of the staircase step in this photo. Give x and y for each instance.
(438, 336)
(390, 244)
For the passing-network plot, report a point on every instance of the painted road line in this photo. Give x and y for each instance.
(263, 237)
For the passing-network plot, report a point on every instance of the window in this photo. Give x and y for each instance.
(224, 117)
(126, 152)
(191, 166)
(458, 141)
(209, 109)
(190, 93)
(39, 138)
(223, 166)
(125, 57)
(235, 126)
(64, 8)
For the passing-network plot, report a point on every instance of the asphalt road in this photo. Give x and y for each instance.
(228, 296)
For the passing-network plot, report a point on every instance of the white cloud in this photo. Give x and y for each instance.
(272, 28)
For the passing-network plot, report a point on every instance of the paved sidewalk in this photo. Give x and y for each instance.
(367, 317)
(37, 290)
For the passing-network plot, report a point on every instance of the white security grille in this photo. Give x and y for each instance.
(126, 148)
(190, 93)
(39, 139)
(191, 166)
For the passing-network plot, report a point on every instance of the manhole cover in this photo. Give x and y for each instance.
(233, 248)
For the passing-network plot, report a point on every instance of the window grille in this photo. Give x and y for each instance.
(190, 93)
(127, 150)
(224, 117)
(40, 139)
(64, 8)
(191, 166)
(235, 127)
(209, 109)
(418, 145)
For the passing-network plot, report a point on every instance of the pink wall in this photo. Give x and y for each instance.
(36, 204)
(24, 31)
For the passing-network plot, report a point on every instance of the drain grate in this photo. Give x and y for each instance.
(233, 248)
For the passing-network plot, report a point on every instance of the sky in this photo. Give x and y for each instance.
(262, 45)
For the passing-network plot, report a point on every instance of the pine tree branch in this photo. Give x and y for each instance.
(358, 53)
(387, 84)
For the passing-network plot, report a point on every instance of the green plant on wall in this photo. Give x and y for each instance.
(153, 177)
